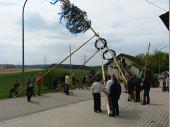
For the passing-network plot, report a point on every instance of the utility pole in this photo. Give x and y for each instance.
(84, 59)
(45, 61)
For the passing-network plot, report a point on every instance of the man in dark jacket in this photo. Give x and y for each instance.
(29, 89)
(146, 87)
(115, 92)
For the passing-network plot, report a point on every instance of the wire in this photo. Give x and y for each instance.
(155, 5)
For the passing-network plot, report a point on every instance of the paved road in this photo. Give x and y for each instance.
(81, 114)
(19, 106)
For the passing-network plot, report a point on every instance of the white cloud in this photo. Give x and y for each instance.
(128, 26)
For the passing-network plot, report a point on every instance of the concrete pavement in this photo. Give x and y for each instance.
(15, 107)
(81, 114)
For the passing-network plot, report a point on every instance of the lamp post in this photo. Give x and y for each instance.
(159, 59)
(23, 66)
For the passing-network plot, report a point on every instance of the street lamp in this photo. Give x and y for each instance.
(23, 67)
(159, 58)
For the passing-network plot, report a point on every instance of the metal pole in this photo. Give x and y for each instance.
(23, 67)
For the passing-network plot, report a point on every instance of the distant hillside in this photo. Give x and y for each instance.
(68, 66)
(34, 66)
(65, 66)
(7, 66)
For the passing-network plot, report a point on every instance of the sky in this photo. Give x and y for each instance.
(127, 25)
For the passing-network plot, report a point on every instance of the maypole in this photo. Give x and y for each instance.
(76, 22)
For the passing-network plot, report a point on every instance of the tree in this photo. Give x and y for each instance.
(154, 59)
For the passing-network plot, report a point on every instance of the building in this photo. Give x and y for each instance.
(129, 65)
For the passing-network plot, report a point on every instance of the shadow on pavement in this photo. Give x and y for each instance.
(35, 102)
(125, 115)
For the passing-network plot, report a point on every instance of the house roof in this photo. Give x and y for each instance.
(133, 59)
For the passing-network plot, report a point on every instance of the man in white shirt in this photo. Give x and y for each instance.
(67, 85)
(96, 90)
(108, 84)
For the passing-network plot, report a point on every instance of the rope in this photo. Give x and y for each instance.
(155, 5)
(61, 61)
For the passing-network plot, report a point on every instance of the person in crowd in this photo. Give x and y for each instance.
(164, 84)
(82, 83)
(14, 89)
(167, 82)
(33, 84)
(62, 82)
(67, 85)
(115, 92)
(29, 89)
(146, 87)
(87, 81)
(130, 88)
(39, 82)
(54, 84)
(96, 91)
(137, 90)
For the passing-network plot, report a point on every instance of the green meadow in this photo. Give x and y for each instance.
(6, 80)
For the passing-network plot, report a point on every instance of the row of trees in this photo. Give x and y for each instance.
(157, 60)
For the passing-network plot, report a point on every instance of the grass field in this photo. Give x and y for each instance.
(17, 70)
(7, 79)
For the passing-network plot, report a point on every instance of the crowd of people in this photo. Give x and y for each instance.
(33, 85)
(113, 92)
(135, 87)
(138, 91)
(31, 81)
